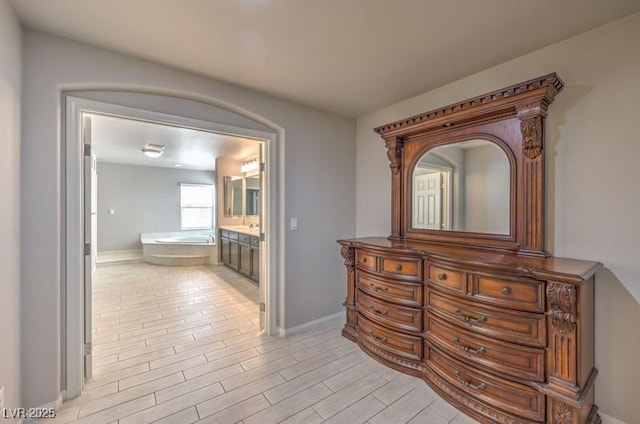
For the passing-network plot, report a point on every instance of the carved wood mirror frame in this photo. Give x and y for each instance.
(513, 118)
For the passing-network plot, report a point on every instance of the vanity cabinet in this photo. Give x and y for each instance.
(478, 309)
(225, 247)
(240, 252)
(255, 259)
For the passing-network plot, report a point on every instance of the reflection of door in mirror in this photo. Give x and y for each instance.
(428, 201)
(432, 194)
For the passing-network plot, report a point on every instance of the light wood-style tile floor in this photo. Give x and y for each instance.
(181, 345)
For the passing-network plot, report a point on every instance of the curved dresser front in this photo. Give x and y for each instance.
(506, 339)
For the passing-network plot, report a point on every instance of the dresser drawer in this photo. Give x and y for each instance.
(244, 238)
(497, 392)
(512, 293)
(518, 327)
(447, 278)
(224, 233)
(486, 353)
(392, 341)
(408, 268)
(389, 314)
(404, 293)
(366, 261)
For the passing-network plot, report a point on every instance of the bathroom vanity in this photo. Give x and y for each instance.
(240, 250)
(463, 293)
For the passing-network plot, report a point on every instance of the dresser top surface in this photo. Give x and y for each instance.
(550, 268)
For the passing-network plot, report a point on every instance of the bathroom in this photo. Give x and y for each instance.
(158, 192)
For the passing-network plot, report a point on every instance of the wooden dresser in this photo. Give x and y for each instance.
(495, 325)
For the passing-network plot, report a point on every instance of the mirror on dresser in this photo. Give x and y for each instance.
(463, 292)
(462, 186)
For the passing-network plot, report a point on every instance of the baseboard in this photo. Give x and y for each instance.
(287, 332)
(607, 419)
(55, 404)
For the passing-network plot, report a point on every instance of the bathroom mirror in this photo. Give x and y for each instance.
(232, 196)
(462, 186)
(252, 195)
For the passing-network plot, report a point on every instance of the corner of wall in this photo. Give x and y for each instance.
(10, 122)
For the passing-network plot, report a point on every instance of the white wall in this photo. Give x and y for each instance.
(314, 142)
(145, 200)
(592, 153)
(10, 95)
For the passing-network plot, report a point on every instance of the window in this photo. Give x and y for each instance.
(196, 206)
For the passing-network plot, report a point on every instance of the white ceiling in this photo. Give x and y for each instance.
(120, 140)
(346, 56)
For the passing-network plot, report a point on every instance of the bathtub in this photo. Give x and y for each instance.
(179, 248)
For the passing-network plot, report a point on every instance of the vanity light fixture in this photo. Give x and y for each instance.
(250, 165)
(153, 151)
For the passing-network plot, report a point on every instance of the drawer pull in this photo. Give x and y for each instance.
(467, 318)
(376, 288)
(469, 385)
(467, 349)
(442, 276)
(398, 267)
(363, 260)
(380, 339)
(377, 312)
(506, 291)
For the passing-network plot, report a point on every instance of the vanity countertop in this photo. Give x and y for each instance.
(242, 229)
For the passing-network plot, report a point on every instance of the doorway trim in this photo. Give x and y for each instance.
(73, 107)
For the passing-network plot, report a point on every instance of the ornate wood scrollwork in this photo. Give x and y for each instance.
(394, 153)
(562, 413)
(531, 136)
(562, 306)
(349, 255)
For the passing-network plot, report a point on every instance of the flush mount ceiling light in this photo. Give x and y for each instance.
(153, 150)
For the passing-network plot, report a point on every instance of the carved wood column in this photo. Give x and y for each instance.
(394, 147)
(570, 377)
(561, 326)
(532, 128)
(348, 252)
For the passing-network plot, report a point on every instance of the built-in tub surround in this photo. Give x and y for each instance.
(178, 248)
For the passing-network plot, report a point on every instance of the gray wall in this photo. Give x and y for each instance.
(592, 174)
(486, 192)
(313, 142)
(10, 95)
(145, 199)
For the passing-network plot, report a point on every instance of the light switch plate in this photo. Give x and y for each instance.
(294, 224)
(1, 399)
